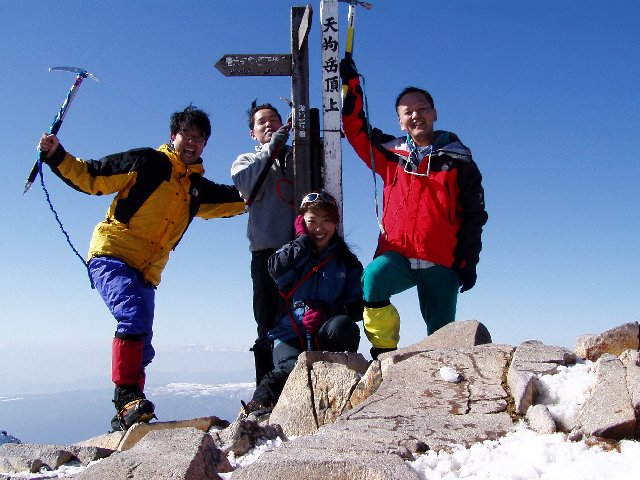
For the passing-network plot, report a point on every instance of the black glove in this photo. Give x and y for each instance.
(347, 69)
(467, 276)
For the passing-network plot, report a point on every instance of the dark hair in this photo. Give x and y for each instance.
(331, 208)
(191, 117)
(414, 90)
(343, 252)
(255, 108)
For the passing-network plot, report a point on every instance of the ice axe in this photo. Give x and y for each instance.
(290, 104)
(348, 48)
(59, 118)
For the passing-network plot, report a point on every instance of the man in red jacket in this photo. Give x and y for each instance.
(433, 212)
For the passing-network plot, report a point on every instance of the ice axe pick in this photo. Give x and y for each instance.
(81, 74)
(290, 103)
(366, 5)
(348, 48)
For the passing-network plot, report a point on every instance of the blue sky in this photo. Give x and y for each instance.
(545, 95)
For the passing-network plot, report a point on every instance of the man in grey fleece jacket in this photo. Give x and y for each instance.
(265, 181)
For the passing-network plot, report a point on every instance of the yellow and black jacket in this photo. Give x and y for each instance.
(157, 197)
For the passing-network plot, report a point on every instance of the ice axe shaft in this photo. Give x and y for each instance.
(348, 47)
(348, 50)
(350, 19)
(81, 74)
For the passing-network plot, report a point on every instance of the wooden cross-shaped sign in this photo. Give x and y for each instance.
(296, 65)
(241, 65)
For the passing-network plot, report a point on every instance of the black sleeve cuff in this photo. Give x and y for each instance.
(57, 157)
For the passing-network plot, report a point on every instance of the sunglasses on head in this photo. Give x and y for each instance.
(315, 196)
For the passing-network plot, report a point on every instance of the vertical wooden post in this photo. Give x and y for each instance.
(300, 24)
(331, 101)
(316, 150)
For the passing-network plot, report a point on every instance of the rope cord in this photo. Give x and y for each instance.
(371, 156)
(62, 229)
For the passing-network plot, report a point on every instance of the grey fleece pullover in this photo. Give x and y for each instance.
(271, 214)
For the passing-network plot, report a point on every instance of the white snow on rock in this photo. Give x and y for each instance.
(449, 374)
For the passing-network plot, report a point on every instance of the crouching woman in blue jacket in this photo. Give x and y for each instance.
(319, 281)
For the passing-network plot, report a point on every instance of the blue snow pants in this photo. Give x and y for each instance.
(130, 299)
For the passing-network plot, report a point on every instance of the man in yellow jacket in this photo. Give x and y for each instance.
(158, 193)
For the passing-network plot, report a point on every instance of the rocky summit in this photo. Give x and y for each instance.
(343, 417)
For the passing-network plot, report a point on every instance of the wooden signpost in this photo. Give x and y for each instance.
(242, 65)
(302, 168)
(295, 65)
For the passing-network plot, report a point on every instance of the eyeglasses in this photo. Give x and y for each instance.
(315, 196)
(192, 138)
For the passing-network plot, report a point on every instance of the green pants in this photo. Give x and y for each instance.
(391, 273)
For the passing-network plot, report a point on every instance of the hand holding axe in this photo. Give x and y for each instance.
(58, 119)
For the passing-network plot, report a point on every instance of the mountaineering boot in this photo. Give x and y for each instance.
(254, 410)
(131, 407)
(375, 351)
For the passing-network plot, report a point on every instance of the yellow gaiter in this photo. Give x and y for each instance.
(382, 326)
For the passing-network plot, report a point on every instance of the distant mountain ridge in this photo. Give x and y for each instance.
(69, 417)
